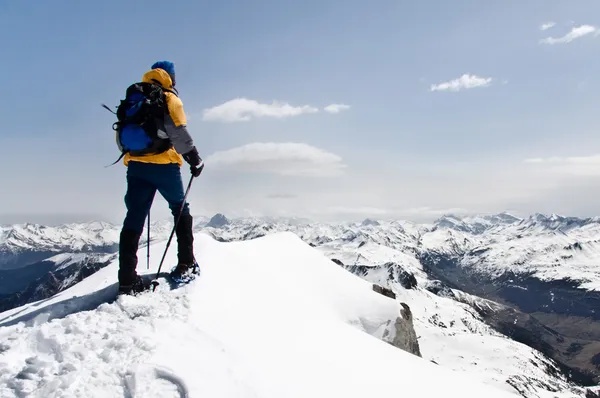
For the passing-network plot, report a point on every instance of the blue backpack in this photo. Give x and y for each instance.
(140, 117)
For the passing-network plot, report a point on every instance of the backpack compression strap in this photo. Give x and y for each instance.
(116, 161)
(107, 108)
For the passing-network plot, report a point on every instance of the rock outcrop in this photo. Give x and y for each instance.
(401, 333)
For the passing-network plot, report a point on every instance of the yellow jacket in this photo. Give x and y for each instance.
(175, 125)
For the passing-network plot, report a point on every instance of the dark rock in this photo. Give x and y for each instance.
(407, 279)
(435, 320)
(384, 291)
(440, 289)
(591, 394)
(526, 386)
(217, 237)
(321, 240)
(359, 270)
(574, 246)
(398, 274)
(338, 262)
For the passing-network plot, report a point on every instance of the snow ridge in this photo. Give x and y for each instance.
(240, 330)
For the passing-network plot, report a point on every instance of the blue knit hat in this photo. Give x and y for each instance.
(168, 67)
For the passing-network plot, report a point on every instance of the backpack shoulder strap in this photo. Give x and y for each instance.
(173, 91)
(168, 90)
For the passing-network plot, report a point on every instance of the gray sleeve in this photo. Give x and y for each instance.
(179, 136)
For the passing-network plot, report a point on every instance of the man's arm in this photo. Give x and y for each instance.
(176, 129)
(176, 126)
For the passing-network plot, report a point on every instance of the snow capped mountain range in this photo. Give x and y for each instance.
(492, 296)
(547, 247)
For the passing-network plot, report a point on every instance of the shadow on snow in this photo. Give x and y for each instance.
(72, 305)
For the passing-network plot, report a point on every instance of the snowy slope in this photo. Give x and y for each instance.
(381, 251)
(268, 318)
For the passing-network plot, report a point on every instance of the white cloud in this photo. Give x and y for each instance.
(575, 33)
(287, 159)
(466, 81)
(336, 108)
(243, 110)
(547, 25)
(575, 165)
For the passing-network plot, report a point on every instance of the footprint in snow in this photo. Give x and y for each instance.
(155, 381)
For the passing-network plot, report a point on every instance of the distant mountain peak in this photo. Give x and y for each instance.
(506, 216)
(369, 221)
(218, 220)
(554, 221)
(476, 224)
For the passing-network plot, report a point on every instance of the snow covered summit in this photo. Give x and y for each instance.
(268, 318)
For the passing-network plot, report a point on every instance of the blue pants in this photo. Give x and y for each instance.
(143, 180)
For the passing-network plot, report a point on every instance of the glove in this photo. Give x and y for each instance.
(192, 157)
(195, 162)
(196, 170)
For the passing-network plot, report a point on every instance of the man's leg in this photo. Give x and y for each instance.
(138, 200)
(170, 186)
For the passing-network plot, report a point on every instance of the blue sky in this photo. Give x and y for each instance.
(521, 135)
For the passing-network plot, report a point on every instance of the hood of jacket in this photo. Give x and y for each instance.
(158, 76)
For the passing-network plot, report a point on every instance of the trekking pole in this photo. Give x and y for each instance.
(187, 191)
(148, 243)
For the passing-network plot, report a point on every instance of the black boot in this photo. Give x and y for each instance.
(185, 247)
(138, 286)
(185, 240)
(129, 281)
